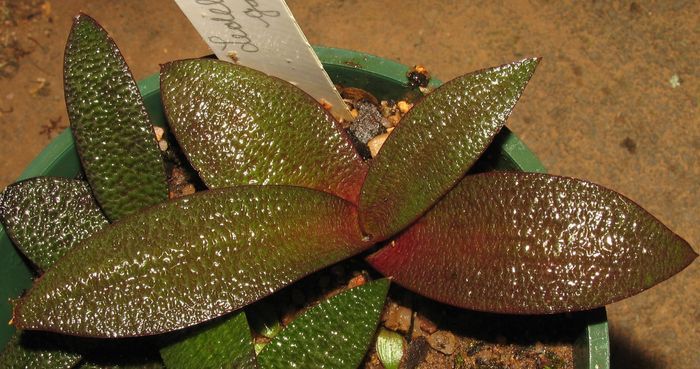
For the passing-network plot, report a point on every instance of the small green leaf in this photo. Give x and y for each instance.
(224, 344)
(436, 142)
(45, 217)
(36, 351)
(528, 243)
(241, 126)
(389, 348)
(334, 334)
(190, 260)
(112, 131)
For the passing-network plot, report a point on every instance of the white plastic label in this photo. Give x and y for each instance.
(265, 36)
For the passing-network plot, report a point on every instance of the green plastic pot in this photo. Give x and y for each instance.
(383, 78)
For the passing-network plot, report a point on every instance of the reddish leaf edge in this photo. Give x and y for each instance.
(458, 178)
(165, 67)
(18, 303)
(691, 256)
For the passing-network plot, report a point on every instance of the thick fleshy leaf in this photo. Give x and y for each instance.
(47, 216)
(435, 144)
(190, 260)
(36, 351)
(240, 126)
(112, 131)
(532, 243)
(128, 363)
(147, 365)
(224, 344)
(389, 348)
(334, 334)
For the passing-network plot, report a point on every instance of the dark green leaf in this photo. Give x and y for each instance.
(224, 344)
(241, 126)
(389, 348)
(110, 125)
(45, 217)
(148, 365)
(130, 364)
(435, 144)
(191, 260)
(36, 351)
(334, 334)
(533, 243)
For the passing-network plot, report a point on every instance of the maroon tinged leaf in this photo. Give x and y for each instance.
(240, 126)
(533, 243)
(189, 260)
(435, 143)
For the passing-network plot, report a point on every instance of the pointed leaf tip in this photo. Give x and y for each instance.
(334, 334)
(530, 243)
(226, 343)
(436, 142)
(190, 260)
(110, 125)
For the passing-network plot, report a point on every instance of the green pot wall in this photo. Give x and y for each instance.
(383, 78)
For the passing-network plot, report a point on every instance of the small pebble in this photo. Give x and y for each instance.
(163, 145)
(357, 281)
(425, 324)
(376, 143)
(397, 318)
(159, 131)
(394, 120)
(443, 341)
(188, 190)
(403, 106)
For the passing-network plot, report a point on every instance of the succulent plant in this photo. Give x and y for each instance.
(287, 196)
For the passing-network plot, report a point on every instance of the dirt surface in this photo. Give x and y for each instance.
(615, 100)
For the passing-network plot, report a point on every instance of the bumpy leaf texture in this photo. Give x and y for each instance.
(435, 144)
(533, 243)
(45, 217)
(240, 126)
(112, 131)
(191, 260)
(224, 344)
(36, 351)
(334, 334)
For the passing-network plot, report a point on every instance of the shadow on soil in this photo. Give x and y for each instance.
(625, 354)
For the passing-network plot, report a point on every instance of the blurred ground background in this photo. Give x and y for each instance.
(615, 100)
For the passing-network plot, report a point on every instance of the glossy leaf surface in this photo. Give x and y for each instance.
(334, 334)
(241, 126)
(47, 216)
(224, 344)
(435, 144)
(112, 131)
(36, 351)
(143, 365)
(191, 260)
(533, 243)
